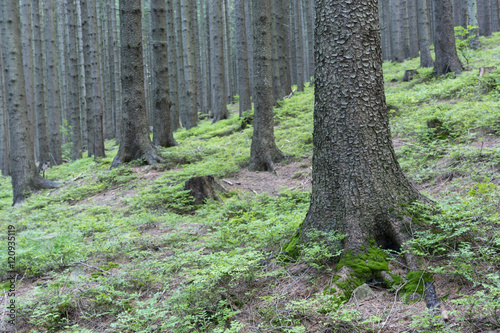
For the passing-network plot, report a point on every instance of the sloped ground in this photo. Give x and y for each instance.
(126, 251)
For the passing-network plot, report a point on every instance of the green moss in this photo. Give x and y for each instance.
(415, 283)
(292, 249)
(364, 267)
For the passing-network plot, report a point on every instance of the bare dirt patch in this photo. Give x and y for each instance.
(291, 176)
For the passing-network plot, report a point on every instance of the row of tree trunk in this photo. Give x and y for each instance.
(409, 26)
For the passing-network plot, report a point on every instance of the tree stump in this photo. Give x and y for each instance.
(409, 73)
(203, 188)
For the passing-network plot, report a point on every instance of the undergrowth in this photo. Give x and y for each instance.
(127, 250)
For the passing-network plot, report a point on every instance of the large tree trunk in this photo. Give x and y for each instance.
(42, 132)
(446, 51)
(424, 34)
(25, 177)
(52, 86)
(474, 22)
(242, 56)
(264, 152)
(219, 107)
(135, 142)
(162, 127)
(485, 18)
(73, 87)
(358, 186)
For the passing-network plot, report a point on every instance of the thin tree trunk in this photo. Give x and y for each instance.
(116, 53)
(446, 51)
(81, 64)
(42, 133)
(244, 89)
(219, 107)
(204, 37)
(111, 73)
(424, 35)
(172, 64)
(263, 152)
(73, 86)
(248, 19)
(162, 126)
(196, 45)
(485, 18)
(310, 35)
(189, 117)
(62, 68)
(135, 142)
(396, 33)
(282, 13)
(278, 94)
(183, 105)
(4, 121)
(96, 80)
(474, 22)
(299, 44)
(413, 26)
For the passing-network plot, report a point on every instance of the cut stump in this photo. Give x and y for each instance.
(203, 188)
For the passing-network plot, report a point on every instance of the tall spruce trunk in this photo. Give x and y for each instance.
(204, 59)
(89, 102)
(172, 64)
(446, 51)
(263, 152)
(413, 28)
(219, 107)
(396, 31)
(111, 73)
(358, 188)
(135, 143)
(116, 58)
(162, 126)
(96, 80)
(42, 132)
(248, 13)
(189, 116)
(81, 64)
(485, 18)
(299, 39)
(244, 90)
(278, 93)
(424, 34)
(4, 121)
(25, 177)
(73, 81)
(228, 56)
(310, 36)
(180, 61)
(282, 13)
(26, 44)
(52, 87)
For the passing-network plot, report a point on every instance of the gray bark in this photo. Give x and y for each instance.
(413, 26)
(4, 121)
(73, 81)
(116, 58)
(189, 116)
(446, 50)
(180, 60)
(172, 64)
(297, 4)
(263, 152)
(42, 132)
(204, 59)
(219, 107)
(396, 31)
(474, 22)
(358, 186)
(242, 56)
(135, 142)
(25, 177)
(424, 34)
(228, 59)
(248, 19)
(96, 79)
(282, 13)
(52, 88)
(485, 18)
(278, 93)
(162, 126)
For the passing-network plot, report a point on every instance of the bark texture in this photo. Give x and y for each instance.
(424, 34)
(25, 177)
(264, 152)
(135, 142)
(162, 127)
(446, 51)
(219, 107)
(358, 185)
(242, 56)
(473, 22)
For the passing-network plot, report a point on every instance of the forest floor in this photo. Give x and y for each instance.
(126, 250)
